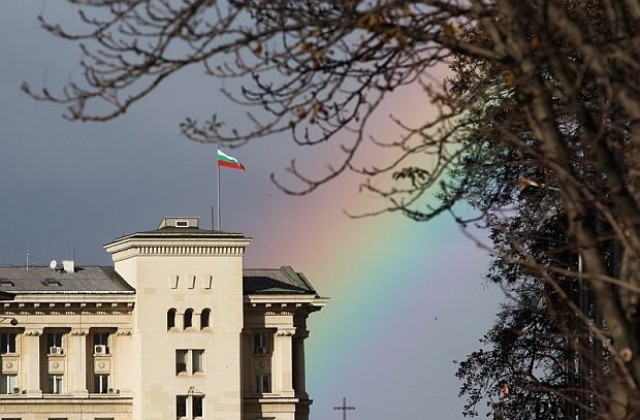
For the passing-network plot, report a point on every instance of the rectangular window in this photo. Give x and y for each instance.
(101, 384)
(55, 384)
(181, 406)
(7, 343)
(101, 343)
(263, 384)
(196, 406)
(54, 343)
(189, 361)
(101, 339)
(181, 361)
(8, 384)
(197, 360)
(262, 343)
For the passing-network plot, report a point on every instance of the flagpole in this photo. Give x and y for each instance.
(218, 192)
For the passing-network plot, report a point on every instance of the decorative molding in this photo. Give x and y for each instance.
(189, 250)
(33, 332)
(79, 332)
(286, 332)
(124, 331)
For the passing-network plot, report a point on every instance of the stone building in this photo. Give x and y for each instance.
(176, 328)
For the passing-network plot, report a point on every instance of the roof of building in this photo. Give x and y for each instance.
(104, 280)
(275, 281)
(44, 279)
(181, 227)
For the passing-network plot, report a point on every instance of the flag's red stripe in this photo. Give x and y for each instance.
(230, 165)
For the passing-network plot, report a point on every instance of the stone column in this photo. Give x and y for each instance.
(31, 361)
(299, 377)
(76, 372)
(122, 361)
(246, 361)
(283, 362)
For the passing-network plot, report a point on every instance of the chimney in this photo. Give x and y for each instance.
(68, 266)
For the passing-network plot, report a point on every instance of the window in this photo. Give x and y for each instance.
(6, 282)
(205, 315)
(263, 383)
(7, 343)
(49, 282)
(197, 360)
(8, 384)
(262, 343)
(54, 343)
(196, 405)
(101, 339)
(171, 318)
(188, 319)
(101, 343)
(189, 361)
(189, 406)
(101, 384)
(181, 361)
(55, 384)
(181, 406)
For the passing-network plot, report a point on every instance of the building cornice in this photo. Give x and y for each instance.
(185, 245)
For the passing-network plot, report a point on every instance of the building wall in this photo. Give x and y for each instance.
(192, 276)
(33, 362)
(239, 358)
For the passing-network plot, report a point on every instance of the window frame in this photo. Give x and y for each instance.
(262, 340)
(185, 362)
(7, 385)
(55, 384)
(101, 383)
(263, 383)
(8, 342)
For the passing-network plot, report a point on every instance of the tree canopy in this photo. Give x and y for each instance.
(543, 95)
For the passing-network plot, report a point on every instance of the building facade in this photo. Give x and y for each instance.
(176, 328)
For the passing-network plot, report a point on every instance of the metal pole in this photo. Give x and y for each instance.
(218, 197)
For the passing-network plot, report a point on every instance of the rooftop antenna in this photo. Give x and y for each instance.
(28, 249)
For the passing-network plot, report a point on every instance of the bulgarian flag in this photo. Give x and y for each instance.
(228, 161)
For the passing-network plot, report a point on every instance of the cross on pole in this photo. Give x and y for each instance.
(344, 408)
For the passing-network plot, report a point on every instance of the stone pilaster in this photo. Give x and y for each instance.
(31, 362)
(283, 362)
(76, 373)
(122, 362)
(299, 365)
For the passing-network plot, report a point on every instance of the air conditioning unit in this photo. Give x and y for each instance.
(262, 350)
(55, 350)
(100, 349)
